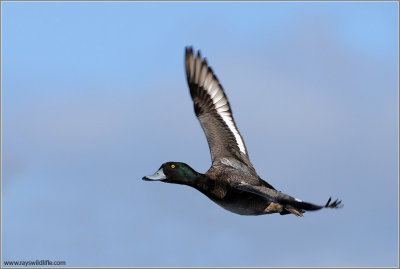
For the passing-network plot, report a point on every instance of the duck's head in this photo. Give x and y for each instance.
(174, 172)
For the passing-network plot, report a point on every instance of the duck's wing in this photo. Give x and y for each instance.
(293, 205)
(214, 113)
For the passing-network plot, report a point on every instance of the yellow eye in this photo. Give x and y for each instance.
(172, 165)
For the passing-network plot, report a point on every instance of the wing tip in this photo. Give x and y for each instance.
(188, 50)
(197, 67)
(190, 54)
(189, 63)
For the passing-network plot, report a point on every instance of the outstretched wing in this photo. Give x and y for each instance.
(213, 111)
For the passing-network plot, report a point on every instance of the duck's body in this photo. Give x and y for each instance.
(217, 184)
(232, 181)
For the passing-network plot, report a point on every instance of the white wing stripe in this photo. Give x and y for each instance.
(221, 103)
(222, 108)
(214, 92)
(207, 81)
(218, 96)
(200, 74)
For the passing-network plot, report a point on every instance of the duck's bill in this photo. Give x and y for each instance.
(159, 175)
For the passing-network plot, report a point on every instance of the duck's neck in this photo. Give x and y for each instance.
(209, 187)
(202, 182)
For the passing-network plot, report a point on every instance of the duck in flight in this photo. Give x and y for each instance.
(231, 182)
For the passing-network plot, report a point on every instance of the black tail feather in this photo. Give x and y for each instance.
(301, 207)
(336, 204)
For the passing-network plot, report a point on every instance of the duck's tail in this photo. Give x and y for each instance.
(298, 207)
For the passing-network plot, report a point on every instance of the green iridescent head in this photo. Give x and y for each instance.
(174, 172)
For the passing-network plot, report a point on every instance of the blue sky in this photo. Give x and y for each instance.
(94, 97)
